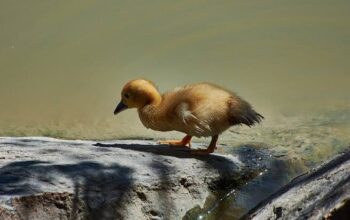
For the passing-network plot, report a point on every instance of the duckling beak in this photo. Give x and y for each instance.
(120, 107)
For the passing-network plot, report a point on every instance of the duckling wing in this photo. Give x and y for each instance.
(192, 124)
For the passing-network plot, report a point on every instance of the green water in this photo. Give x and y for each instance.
(62, 64)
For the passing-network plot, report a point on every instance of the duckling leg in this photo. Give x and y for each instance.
(210, 149)
(174, 143)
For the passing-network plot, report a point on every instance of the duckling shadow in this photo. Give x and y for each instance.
(226, 165)
(165, 150)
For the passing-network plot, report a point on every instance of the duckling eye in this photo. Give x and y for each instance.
(126, 96)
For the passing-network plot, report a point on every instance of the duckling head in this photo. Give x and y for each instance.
(137, 94)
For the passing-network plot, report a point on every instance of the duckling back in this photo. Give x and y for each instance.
(205, 109)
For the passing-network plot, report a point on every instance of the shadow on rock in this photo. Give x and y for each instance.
(99, 191)
(226, 166)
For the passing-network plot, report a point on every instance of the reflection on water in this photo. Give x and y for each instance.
(62, 65)
(238, 202)
(272, 174)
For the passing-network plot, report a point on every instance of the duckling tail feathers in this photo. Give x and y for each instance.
(250, 118)
(243, 113)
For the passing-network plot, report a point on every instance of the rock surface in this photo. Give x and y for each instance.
(46, 178)
(321, 194)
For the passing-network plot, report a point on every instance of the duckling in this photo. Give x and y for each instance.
(199, 110)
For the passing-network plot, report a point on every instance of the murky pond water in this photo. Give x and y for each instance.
(62, 65)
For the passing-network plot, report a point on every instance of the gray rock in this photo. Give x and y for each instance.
(46, 178)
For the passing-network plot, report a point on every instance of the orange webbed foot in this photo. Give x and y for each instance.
(175, 143)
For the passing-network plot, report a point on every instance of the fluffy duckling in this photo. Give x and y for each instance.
(199, 110)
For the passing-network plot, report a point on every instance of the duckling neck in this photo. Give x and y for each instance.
(151, 115)
(155, 100)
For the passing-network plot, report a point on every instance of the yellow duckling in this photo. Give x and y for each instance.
(199, 110)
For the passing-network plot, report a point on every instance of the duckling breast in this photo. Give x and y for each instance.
(153, 118)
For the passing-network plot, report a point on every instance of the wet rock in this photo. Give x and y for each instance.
(323, 193)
